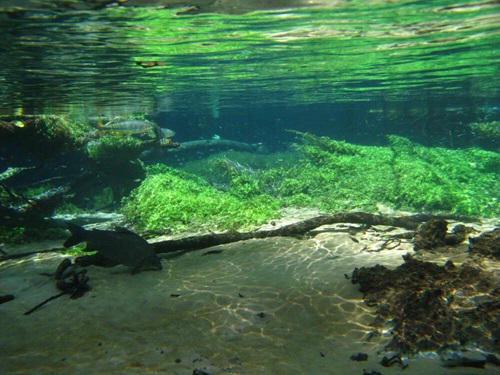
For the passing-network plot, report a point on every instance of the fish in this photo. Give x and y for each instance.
(120, 246)
(126, 127)
(133, 127)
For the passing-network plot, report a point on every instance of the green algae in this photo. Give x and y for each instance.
(238, 190)
(488, 129)
(115, 150)
(46, 136)
(180, 201)
(403, 175)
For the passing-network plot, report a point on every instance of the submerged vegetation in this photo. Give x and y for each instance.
(45, 136)
(168, 198)
(236, 190)
(239, 191)
(486, 129)
(111, 149)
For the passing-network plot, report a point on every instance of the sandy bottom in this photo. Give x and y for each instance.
(273, 306)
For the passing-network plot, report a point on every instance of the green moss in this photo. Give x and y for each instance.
(337, 176)
(68, 208)
(46, 136)
(115, 150)
(237, 190)
(181, 201)
(486, 129)
(404, 175)
(62, 128)
(12, 235)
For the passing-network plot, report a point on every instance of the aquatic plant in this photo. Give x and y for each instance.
(12, 235)
(337, 176)
(404, 175)
(180, 201)
(115, 150)
(46, 136)
(59, 127)
(235, 193)
(486, 129)
(17, 234)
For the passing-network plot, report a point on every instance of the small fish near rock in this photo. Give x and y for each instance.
(120, 247)
(126, 127)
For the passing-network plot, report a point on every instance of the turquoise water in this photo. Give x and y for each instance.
(57, 59)
(377, 106)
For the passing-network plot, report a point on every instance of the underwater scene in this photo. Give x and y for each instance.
(258, 187)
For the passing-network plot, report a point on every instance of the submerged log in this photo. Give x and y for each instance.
(215, 144)
(206, 146)
(33, 210)
(297, 229)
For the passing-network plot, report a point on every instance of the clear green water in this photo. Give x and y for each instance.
(87, 61)
(355, 71)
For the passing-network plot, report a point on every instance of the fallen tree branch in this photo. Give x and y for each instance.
(6, 256)
(215, 144)
(297, 229)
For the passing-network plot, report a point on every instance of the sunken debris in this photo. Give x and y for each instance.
(431, 234)
(486, 245)
(429, 307)
(70, 279)
(359, 357)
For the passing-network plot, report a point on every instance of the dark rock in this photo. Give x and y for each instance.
(457, 361)
(388, 362)
(359, 357)
(458, 235)
(431, 234)
(454, 239)
(429, 306)
(487, 244)
(491, 358)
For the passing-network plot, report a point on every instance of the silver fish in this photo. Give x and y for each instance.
(127, 127)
